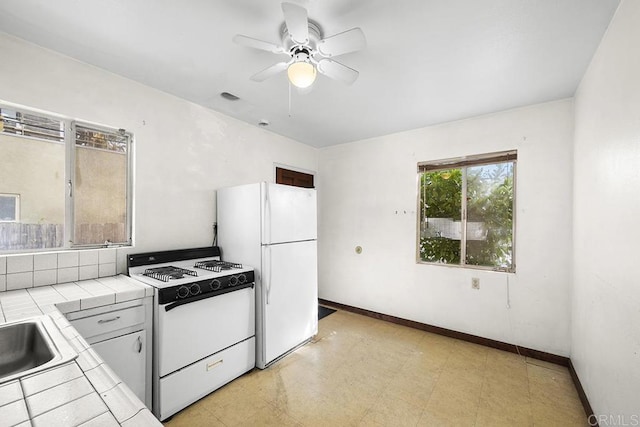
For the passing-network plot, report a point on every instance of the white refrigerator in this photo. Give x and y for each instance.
(273, 228)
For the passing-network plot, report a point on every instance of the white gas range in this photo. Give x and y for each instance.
(204, 323)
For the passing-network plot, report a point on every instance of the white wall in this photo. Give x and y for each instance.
(183, 152)
(606, 290)
(367, 196)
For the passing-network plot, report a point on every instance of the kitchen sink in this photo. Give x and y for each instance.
(31, 345)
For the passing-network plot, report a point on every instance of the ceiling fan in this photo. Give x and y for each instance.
(302, 41)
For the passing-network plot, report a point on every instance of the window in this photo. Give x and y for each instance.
(9, 207)
(63, 184)
(294, 178)
(466, 211)
(100, 186)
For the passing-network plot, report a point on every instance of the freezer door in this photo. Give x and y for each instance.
(289, 300)
(289, 213)
(239, 222)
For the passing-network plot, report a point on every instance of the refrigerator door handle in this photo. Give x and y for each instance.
(268, 275)
(266, 216)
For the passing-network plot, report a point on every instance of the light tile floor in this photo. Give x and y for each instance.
(366, 372)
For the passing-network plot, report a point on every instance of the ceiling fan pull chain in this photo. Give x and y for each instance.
(289, 84)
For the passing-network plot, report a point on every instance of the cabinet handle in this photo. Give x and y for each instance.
(214, 364)
(113, 319)
(139, 345)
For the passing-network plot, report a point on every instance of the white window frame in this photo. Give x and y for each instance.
(16, 215)
(463, 163)
(69, 142)
(71, 179)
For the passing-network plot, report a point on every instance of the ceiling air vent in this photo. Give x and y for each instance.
(229, 96)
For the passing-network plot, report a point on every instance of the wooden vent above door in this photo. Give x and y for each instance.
(294, 178)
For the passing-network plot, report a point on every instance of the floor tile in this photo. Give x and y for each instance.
(366, 372)
(392, 411)
(195, 415)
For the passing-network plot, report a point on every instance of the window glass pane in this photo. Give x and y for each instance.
(32, 125)
(100, 193)
(440, 216)
(490, 215)
(9, 207)
(92, 138)
(33, 170)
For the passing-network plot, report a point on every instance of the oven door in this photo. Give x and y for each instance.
(193, 331)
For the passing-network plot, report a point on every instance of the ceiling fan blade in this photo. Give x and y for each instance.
(345, 42)
(297, 22)
(337, 71)
(257, 44)
(269, 72)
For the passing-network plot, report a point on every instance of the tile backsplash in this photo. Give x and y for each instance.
(33, 270)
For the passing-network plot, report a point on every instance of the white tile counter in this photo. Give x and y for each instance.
(85, 391)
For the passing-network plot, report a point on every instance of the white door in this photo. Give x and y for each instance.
(289, 213)
(126, 355)
(290, 287)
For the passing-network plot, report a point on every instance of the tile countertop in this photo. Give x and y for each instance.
(84, 391)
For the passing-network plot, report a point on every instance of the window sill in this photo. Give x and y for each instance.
(469, 267)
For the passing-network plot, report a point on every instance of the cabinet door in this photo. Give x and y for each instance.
(126, 356)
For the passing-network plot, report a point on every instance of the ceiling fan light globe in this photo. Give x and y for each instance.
(301, 74)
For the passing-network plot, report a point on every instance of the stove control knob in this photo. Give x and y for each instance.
(233, 280)
(183, 292)
(242, 278)
(194, 289)
(215, 284)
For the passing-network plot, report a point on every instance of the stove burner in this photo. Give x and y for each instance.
(217, 266)
(168, 273)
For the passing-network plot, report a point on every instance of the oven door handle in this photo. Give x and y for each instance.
(171, 306)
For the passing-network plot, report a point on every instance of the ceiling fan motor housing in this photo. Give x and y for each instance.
(300, 54)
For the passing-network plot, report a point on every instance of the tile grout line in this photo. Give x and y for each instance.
(435, 384)
(484, 383)
(526, 365)
(24, 399)
(125, 420)
(53, 409)
(90, 383)
(53, 386)
(99, 415)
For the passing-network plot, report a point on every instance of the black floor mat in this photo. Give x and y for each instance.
(324, 311)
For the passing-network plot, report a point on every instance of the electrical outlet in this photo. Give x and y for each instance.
(475, 283)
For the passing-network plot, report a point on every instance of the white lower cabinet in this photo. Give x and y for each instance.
(126, 356)
(121, 334)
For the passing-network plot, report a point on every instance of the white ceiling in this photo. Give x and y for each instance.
(426, 61)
